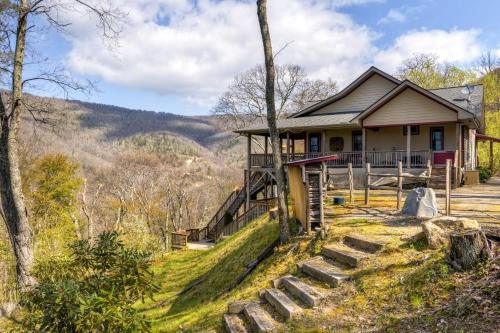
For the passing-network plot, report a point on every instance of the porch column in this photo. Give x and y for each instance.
(288, 146)
(249, 166)
(458, 170)
(323, 143)
(408, 146)
(363, 150)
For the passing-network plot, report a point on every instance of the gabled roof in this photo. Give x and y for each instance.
(474, 102)
(346, 91)
(410, 85)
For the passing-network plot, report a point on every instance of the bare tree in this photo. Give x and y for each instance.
(14, 46)
(488, 63)
(271, 121)
(245, 99)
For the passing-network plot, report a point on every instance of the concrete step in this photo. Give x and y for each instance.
(322, 270)
(234, 324)
(304, 292)
(282, 303)
(258, 318)
(363, 243)
(344, 254)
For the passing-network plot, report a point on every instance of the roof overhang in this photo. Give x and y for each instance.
(483, 137)
(346, 91)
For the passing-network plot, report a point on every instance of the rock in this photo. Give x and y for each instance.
(421, 202)
(236, 307)
(455, 223)
(7, 309)
(436, 237)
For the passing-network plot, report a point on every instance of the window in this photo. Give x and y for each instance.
(415, 130)
(337, 143)
(314, 143)
(437, 138)
(357, 141)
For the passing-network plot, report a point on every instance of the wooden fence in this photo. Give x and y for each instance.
(350, 178)
(258, 209)
(179, 240)
(400, 177)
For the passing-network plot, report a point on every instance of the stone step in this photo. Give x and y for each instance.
(282, 303)
(234, 324)
(363, 243)
(344, 254)
(304, 292)
(258, 318)
(322, 270)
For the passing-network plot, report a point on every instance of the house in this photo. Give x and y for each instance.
(381, 120)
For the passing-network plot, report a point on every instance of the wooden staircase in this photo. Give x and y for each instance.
(290, 295)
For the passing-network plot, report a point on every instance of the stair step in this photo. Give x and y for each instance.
(343, 254)
(234, 324)
(282, 303)
(304, 292)
(258, 318)
(320, 269)
(363, 243)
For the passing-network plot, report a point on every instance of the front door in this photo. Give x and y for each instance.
(357, 141)
(314, 143)
(437, 138)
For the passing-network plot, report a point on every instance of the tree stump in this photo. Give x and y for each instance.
(468, 248)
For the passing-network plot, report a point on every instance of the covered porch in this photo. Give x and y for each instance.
(382, 147)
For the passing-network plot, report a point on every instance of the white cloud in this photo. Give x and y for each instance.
(454, 46)
(200, 50)
(393, 15)
(174, 48)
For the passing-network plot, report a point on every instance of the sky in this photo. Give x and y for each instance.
(179, 56)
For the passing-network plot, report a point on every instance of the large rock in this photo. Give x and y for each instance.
(421, 202)
(436, 237)
(455, 224)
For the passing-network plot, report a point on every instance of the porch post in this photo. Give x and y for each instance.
(249, 152)
(408, 146)
(491, 155)
(323, 143)
(458, 171)
(363, 150)
(288, 146)
(265, 159)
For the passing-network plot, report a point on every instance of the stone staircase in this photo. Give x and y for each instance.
(290, 295)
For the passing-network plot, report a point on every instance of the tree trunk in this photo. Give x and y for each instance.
(271, 121)
(12, 200)
(468, 248)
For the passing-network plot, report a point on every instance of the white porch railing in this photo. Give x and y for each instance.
(377, 159)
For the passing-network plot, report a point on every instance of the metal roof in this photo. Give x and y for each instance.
(291, 124)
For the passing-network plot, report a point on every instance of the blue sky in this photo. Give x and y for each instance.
(175, 56)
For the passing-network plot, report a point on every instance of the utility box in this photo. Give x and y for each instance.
(471, 177)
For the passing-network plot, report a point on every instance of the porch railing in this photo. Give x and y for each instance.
(378, 159)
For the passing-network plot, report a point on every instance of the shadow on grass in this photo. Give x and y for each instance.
(228, 264)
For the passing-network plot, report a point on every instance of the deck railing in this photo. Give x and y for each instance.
(257, 209)
(377, 159)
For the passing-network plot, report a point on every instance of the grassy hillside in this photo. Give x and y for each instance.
(405, 287)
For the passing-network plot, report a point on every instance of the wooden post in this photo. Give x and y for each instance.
(448, 188)
(367, 185)
(408, 146)
(308, 218)
(321, 214)
(456, 169)
(288, 146)
(266, 177)
(429, 172)
(491, 155)
(400, 184)
(458, 152)
(351, 182)
(249, 166)
(324, 169)
(363, 144)
(323, 143)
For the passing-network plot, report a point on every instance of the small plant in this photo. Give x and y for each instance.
(92, 291)
(484, 174)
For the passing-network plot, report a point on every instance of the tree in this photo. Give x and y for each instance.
(245, 99)
(15, 18)
(426, 71)
(93, 291)
(271, 121)
(488, 63)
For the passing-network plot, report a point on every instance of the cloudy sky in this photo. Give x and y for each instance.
(179, 55)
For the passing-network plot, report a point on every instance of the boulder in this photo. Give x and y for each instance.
(421, 202)
(455, 224)
(436, 237)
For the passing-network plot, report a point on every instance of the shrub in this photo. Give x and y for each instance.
(94, 290)
(484, 174)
